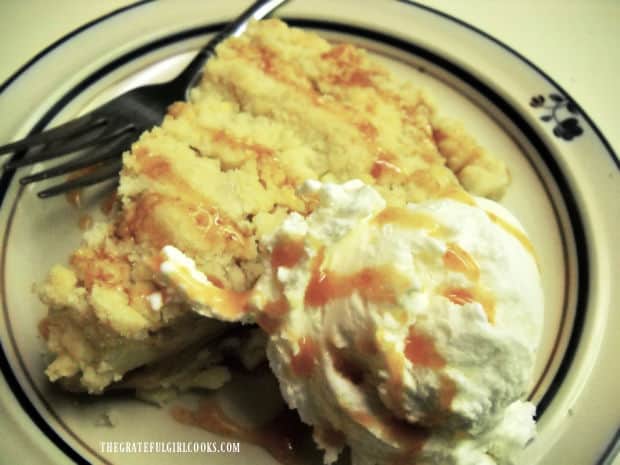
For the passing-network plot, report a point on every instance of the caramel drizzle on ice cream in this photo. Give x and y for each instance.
(226, 302)
(287, 252)
(304, 361)
(454, 259)
(406, 218)
(345, 364)
(270, 317)
(475, 293)
(457, 259)
(382, 284)
(420, 350)
(458, 194)
(514, 231)
(462, 196)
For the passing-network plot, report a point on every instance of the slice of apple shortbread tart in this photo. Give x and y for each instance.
(275, 107)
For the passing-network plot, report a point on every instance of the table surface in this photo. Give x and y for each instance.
(573, 41)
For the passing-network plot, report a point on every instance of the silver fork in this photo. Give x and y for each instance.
(109, 130)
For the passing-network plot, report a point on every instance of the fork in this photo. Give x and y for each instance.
(110, 129)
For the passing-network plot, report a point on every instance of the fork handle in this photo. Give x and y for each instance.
(257, 10)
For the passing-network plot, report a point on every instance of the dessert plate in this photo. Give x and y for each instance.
(567, 202)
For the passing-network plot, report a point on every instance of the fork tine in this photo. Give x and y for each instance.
(69, 129)
(91, 158)
(68, 148)
(109, 171)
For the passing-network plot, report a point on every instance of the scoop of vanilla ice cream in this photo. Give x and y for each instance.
(407, 333)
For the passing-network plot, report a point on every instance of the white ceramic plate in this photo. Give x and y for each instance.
(565, 190)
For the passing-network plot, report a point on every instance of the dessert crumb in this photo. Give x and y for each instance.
(108, 418)
(85, 222)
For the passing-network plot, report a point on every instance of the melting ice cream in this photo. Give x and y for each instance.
(408, 334)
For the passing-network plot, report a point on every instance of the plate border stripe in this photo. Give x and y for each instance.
(513, 115)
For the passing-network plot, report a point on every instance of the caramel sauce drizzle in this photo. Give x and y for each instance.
(223, 137)
(287, 252)
(447, 392)
(350, 72)
(85, 222)
(406, 218)
(231, 305)
(381, 167)
(420, 350)
(270, 317)
(108, 203)
(97, 266)
(395, 384)
(141, 223)
(156, 167)
(346, 365)
(514, 231)
(366, 344)
(304, 362)
(458, 194)
(457, 259)
(159, 169)
(380, 284)
(477, 293)
(368, 130)
(439, 135)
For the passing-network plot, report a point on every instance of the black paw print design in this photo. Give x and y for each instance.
(559, 107)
